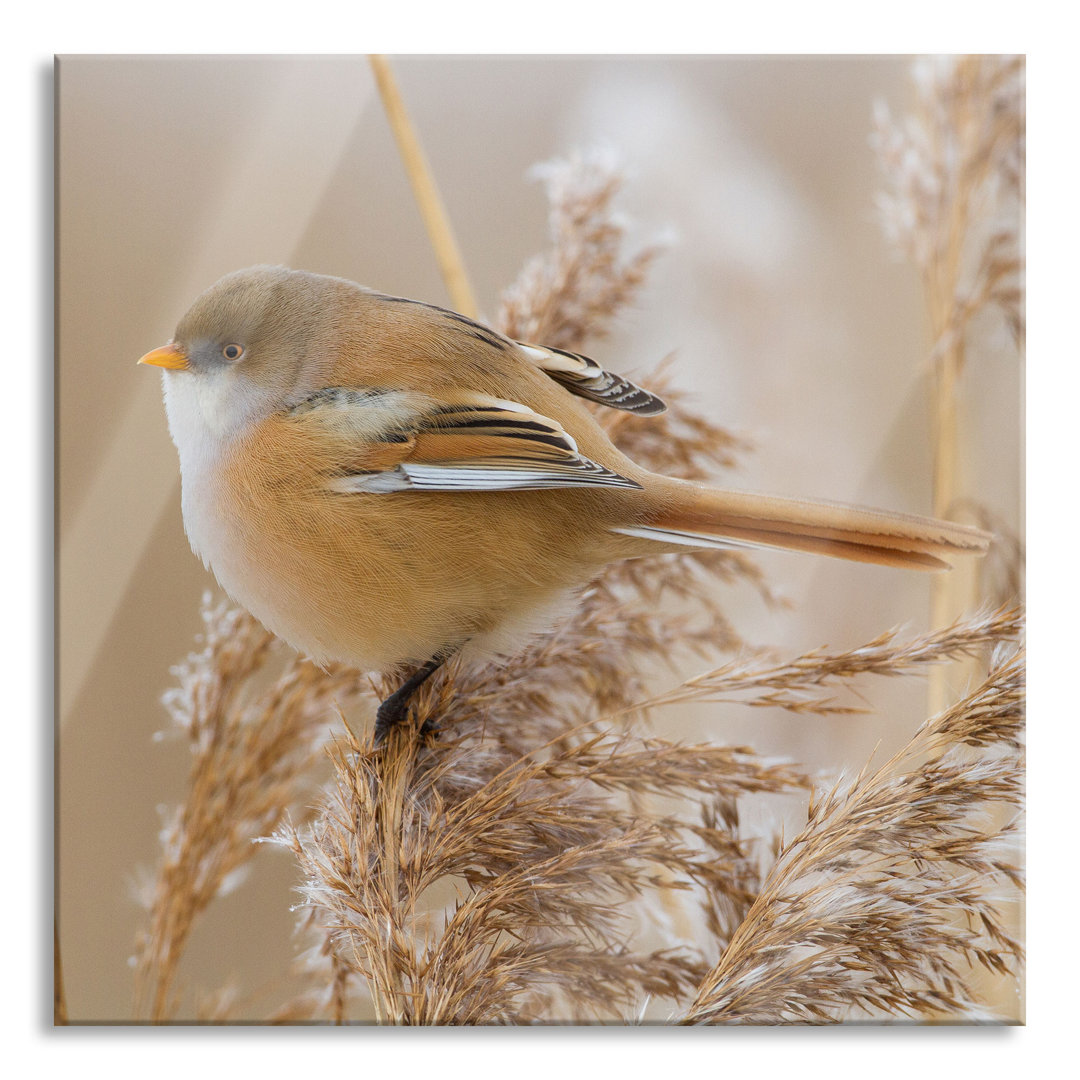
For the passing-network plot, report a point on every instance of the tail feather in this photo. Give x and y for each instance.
(698, 516)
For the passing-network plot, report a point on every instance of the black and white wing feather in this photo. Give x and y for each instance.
(587, 379)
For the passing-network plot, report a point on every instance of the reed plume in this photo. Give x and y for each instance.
(952, 203)
(570, 294)
(253, 749)
(888, 898)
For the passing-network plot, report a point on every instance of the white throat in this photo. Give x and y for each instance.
(206, 412)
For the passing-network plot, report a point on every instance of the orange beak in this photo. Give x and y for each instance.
(168, 356)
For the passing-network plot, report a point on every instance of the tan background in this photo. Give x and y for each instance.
(791, 320)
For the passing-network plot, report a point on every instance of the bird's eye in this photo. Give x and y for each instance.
(233, 352)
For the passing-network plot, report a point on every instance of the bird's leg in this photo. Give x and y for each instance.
(395, 708)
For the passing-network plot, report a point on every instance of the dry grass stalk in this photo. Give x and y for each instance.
(571, 294)
(252, 753)
(547, 865)
(425, 190)
(552, 866)
(954, 175)
(795, 685)
(953, 202)
(889, 897)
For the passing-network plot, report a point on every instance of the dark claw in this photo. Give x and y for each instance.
(395, 709)
(391, 712)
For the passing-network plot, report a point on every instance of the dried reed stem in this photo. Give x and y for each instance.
(794, 684)
(951, 168)
(425, 190)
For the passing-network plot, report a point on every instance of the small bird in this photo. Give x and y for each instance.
(383, 482)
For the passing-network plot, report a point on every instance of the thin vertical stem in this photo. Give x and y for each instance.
(952, 593)
(425, 190)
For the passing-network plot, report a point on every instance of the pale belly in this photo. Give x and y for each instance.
(376, 593)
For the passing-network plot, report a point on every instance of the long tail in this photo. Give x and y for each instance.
(693, 515)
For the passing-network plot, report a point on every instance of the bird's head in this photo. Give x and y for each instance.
(247, 346)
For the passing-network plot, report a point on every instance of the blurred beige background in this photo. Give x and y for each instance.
(791, 321)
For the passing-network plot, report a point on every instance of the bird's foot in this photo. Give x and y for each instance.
(395, 709)
(398, 713)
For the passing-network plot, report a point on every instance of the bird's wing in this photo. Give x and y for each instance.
(400, 441)
(587, 379)
(577, 373)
